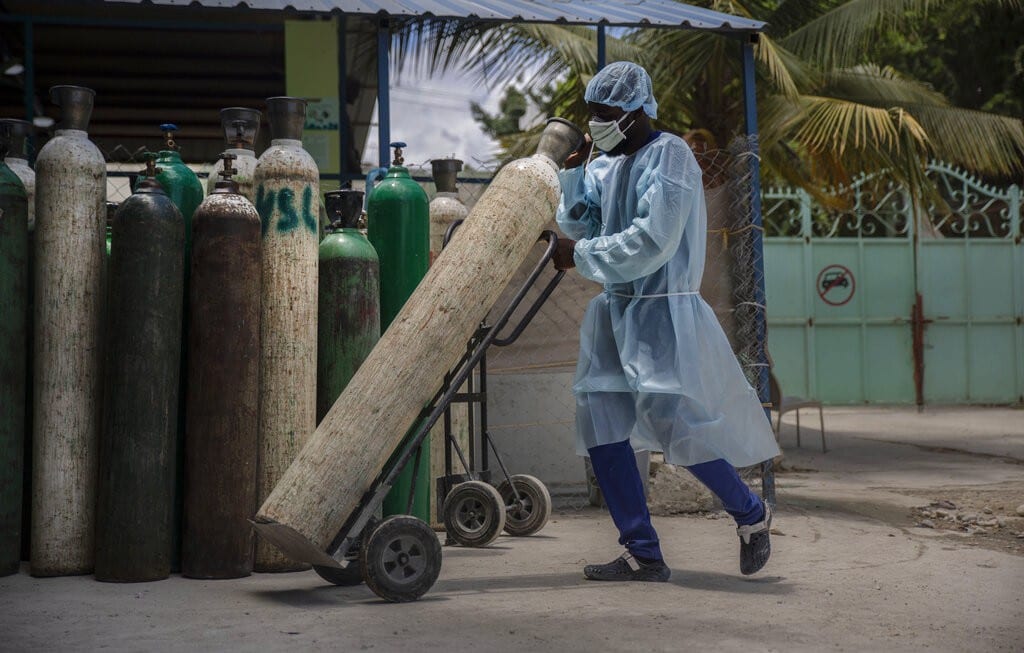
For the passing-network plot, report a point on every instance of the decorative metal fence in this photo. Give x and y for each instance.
(896, 299)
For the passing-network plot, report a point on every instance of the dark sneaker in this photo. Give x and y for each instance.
(755, 543)
(626, 567)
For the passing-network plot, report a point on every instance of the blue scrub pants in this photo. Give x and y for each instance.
(616, 473)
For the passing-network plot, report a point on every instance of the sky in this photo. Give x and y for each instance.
(431, 114)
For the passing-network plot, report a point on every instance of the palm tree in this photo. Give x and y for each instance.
(826, 111)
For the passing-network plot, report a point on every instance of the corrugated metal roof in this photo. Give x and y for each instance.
(631, 13)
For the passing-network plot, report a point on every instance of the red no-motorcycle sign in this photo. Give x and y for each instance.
(835, 285)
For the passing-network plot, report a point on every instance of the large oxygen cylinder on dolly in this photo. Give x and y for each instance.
(287, 197)
(240, 126)
(350, 447)
(71, 188)
(17, 160)
(398, 226)
(222, 431)
(348, 305)
(13, 337)
(445, 209)
(138, 448)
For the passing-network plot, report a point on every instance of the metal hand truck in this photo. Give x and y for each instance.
(399, 557)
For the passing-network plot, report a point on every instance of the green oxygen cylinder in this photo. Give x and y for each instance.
(17, 159)
(398, 226)
(138, 442)
(13, 338)
(348, 300)
(184, 189)
(180, 183)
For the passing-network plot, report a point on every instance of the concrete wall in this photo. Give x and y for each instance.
(532, 422)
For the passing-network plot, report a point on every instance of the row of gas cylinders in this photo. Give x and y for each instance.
(152, 396)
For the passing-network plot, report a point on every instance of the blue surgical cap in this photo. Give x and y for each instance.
(625, 85)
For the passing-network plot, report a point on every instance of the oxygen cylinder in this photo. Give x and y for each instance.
(398, 226)
(13, 336)
(135, 499)
(179, 182)
(240, 126)
(287, 194)
(109, 227)
(348, 306)
(185, 190)
(17, 160)
(445, 209)
(222, 431)
(71, 188)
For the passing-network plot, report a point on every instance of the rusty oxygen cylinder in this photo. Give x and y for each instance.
(222, 430)
(348, 322)
(241, 126)
(287, 195)
(135, 501)
(13, 336)
(71, 191)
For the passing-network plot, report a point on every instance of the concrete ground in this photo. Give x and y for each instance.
(852, 569)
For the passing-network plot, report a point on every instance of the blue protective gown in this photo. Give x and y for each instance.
(641, 224)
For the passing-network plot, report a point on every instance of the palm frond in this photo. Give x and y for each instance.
(783, 69)
(880, 86)
(837, 139)
(982, 142)
(840, 37)
(789, 15)
(536, 54)
(682, 57)
(834, 124)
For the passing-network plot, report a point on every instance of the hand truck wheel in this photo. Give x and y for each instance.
(349, 575)
(401, 559)
(531, 511)
(474, 514)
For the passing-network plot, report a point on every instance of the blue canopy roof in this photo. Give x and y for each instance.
(625, 13)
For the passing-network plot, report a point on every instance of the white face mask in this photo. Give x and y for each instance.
(608, 135)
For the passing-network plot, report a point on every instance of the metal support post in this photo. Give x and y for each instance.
(601, 51)
(383, 92)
